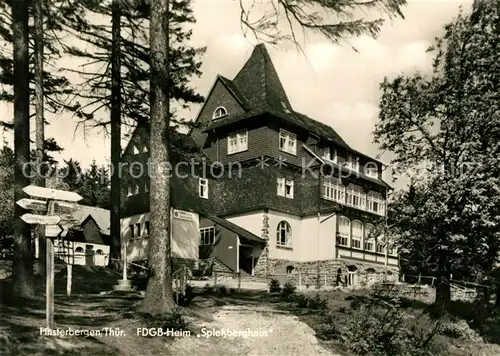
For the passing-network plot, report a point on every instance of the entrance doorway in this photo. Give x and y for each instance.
(246, 260)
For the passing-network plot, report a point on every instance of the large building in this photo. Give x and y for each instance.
(288, 181)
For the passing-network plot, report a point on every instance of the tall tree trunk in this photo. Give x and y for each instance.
(159, 294)
(443, 292)
(22, 268)
(40, 123)
(115, 135)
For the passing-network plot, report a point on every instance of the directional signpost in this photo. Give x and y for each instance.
(52, 229)
(33, 219)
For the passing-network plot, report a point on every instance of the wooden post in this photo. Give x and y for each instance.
(125, 261)
(49, 251)
(69, 277)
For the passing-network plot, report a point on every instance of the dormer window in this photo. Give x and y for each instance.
(371, 170)
(219, 112)
(288, 142)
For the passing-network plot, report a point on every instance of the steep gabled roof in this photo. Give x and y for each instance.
(258, 87)
(102, 217)
(258, 81)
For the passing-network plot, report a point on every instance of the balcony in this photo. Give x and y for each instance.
(355, 199)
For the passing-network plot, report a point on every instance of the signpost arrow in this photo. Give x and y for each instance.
(40, 205)
(55, 231)
(52, 194)
(41, 219)
(32, 204)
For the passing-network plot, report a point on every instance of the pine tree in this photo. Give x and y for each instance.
(22, 267)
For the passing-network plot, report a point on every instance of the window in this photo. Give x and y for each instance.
(203, 188)
(237, 142)
(375, 203)
(381, 244)
(369, 239)
(135, 149)
(219, 112)
(334, 190)
(391, 249)
(289, 269)
(145, 148)
(330, 154)
(357, 234)
(371, 170)
(285, 187)
(288, 142)
(352, 163)
(146, 228)
(284, 234)
(344, 231)
(136, 188)
(355, 196)
(135, 230)
(129, 189)
(99, 252)
(79, 250)
(207, 236)
(146, 185)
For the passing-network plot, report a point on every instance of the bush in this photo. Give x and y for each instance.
(208, 288)
(377, 327)
(274, 286)
(223, 290)
(288, 289)
(328, 329)
(318, 303)
(186, 299)
(301, 300)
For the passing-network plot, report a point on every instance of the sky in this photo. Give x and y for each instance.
(329, 82)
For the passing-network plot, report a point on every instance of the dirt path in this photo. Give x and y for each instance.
(269, 332)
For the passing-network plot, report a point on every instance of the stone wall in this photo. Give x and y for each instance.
(331, 272)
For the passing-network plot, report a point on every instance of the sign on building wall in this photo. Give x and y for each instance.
(185, 234)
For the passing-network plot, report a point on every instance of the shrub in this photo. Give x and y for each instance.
(208, 288)
(318, 303)
(223, 290)
(301, 300)
(186, 299)
(328, 329)
(274, 286)
(288, 289)
(376, 326)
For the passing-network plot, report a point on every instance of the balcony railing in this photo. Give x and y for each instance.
(365, 204)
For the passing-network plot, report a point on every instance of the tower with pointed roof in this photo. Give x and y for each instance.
(292, 180)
